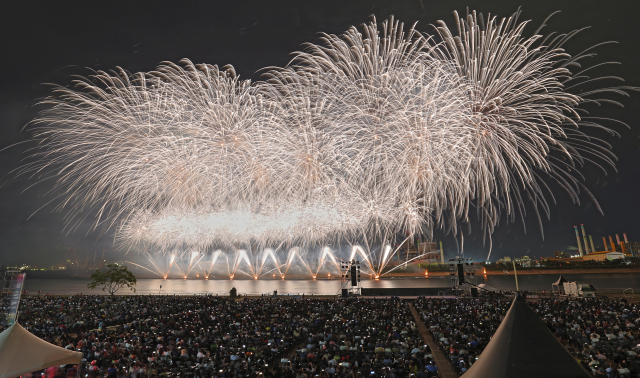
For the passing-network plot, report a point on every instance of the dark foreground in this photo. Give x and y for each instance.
(208, 336)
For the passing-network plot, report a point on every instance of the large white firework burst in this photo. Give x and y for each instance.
(178, 136)
(362, 137)
(527, 125)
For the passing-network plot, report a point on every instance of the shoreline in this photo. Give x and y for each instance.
(537, 271)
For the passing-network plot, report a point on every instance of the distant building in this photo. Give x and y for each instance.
(429, 251)
(504, 260)
(427, 246)
(524, 261)
(615, 255)
(603, 255)
(561, 255)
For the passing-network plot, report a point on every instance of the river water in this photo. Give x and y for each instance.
(603, 282)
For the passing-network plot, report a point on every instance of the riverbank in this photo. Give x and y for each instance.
(527, 272)
(568, 271)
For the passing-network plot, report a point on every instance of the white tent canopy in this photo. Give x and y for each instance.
(21, 353)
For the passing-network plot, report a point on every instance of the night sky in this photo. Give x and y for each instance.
(48, 42)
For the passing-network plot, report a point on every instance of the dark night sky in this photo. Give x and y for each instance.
(47, 42)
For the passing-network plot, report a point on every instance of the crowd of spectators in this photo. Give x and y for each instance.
(601, 333)
(369, 338)
(208, 336)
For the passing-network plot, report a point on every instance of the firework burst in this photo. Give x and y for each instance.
(527, 124)
(360, 138)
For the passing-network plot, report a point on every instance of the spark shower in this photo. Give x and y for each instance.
(365, 139)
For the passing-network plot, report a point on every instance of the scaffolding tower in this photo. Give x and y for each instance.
(350, 277)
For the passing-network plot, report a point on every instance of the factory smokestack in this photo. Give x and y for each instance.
(604, 240)
(584, 237)
(613, 246)
(624, 234)
(618, 239)
(578, 238)
(593, 248)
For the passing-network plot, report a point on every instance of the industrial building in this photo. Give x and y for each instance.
(430, 252)
(618, 247)
(603, 255)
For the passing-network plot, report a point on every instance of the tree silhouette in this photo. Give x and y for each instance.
(113, 279)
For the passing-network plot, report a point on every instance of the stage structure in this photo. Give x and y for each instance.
(350, 277)
(463, 277)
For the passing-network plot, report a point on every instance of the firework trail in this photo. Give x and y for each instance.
(360, 138)
(526, 124)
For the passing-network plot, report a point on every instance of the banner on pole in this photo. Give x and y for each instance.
(15, 290)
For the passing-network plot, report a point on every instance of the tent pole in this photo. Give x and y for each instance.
(515, 273)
